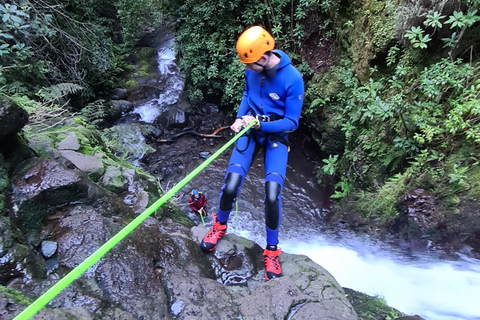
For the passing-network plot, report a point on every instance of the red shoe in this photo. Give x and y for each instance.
(216, 233)
(272, 264)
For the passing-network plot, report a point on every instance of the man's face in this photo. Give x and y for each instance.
(257, 66)
(196, 197)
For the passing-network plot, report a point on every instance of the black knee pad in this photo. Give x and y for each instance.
(272, 204)
(230, 190)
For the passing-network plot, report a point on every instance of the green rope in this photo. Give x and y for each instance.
(201, 215)
(94, 257)
(236, 215)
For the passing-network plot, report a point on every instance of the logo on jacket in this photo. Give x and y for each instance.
(274, 96)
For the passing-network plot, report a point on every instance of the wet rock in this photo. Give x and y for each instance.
(157, 133)
(118, 109)
(10, 307)
(79, 233)
(146, 91)
(51, 265)
(48, 248)
(40, 186)
(6, 240)
(172, 118)
(119, 94)
(211, 108)
(114, 180)
(91, 165)
(12, 118)
(69, 143)
(420, 206)
(141, 191)
(125, 284)
(204, 155)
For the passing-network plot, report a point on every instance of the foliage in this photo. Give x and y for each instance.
(48, 104)
(48, 42)
(408, 117)
(208, 31)
(94, 113)
(138, 18)
(19, 28)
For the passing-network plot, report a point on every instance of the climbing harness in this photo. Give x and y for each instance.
(107, 246)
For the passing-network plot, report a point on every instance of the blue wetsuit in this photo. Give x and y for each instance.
(278, 94)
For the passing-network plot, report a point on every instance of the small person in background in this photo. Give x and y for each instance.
(198, 203)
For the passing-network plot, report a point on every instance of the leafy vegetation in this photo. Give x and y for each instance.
(207, 33)
(409, 117)
(50, 47)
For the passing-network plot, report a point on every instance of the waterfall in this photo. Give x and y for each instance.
(169, 72)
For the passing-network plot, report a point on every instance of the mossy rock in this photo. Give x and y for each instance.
(132, 85)
(145, 53)
(4, 180)
(15, 295)
(370, 308)
(170, 210)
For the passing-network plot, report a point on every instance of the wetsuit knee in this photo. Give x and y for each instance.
(230, 190)
(272, 204)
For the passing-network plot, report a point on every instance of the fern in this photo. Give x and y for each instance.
(58, 91)
(94, 112)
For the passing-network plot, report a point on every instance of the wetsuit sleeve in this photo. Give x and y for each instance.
(293, 105)
(244, 107)
(192, 205)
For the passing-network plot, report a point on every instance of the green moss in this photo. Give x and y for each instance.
(145, 53)
(370, 308)
(15, 295)
(4, 181)
(374, 29)
(381, 204)
(170, 210)
(132, 85)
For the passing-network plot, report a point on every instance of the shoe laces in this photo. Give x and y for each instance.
(216, 229)
(271, 260)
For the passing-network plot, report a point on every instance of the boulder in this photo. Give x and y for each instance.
(91, 165)
(12, 118)
(40, 186)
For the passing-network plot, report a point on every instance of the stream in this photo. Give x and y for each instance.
(426, 284)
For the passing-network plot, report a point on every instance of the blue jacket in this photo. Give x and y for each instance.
(281, 95)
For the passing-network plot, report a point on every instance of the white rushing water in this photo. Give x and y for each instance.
(424, 285)
(431, 288)
(168, 72)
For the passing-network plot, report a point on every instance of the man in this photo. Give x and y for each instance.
(198, 203)
(273, 95)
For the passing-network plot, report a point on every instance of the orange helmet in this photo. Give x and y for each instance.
(253, 43)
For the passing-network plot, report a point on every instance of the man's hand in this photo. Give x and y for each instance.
(237, 125)
(244, 122)
(248, 119)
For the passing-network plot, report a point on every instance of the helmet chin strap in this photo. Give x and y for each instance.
(263, 65)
